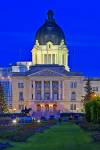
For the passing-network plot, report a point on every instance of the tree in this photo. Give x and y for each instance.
(92, 109)
(89, 92)
(3, 105)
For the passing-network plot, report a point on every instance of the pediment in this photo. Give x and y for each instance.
(46, 72)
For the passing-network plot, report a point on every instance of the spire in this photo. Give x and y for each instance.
(50, 15)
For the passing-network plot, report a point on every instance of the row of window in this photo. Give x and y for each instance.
(55, 96)
(47, 84)
(38, 96)
(54, 84)
(93, 89)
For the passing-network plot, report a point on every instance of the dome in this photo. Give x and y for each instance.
(50, 31)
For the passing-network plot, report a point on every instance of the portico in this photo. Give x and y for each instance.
(47, 90)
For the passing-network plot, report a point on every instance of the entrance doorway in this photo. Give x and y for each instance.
(55, 107)
(47, 107)
(38, 107)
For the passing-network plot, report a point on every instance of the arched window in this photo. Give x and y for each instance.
(73, 96)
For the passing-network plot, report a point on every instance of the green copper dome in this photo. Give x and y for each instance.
(50, 31)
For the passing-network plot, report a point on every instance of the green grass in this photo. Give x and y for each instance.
(65, 137)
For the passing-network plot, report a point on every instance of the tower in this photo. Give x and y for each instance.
(50, 46)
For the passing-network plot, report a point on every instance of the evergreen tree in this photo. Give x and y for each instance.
(3, 105)
(89, 92)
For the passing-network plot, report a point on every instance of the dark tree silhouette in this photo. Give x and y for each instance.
(26, 111)
(89, 92)
(3, 105)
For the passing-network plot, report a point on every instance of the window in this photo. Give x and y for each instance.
(73, 107)
(47, 96)
(47, 84)
(73, 96)
(37, 84)
(32, 84)
(95, 88)
(21, 96)
(21, 107)
(49, 46)
(73, 84)
(20, 85)
(55, 85)
(32, 96)
(60, 84)
(38, 96)
(55, 96)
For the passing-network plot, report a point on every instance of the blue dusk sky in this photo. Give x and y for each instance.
(79, 19)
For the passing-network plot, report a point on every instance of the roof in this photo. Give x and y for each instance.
(47, 70)
(50, 31)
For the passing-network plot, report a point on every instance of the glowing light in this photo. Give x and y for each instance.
(42, 105)
(14, 121)
(14, 109)
(50, 105)
(38, 121)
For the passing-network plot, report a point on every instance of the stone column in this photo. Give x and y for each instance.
(51, 58)
(59, 90)
(33, 90)
(42, 90)
(50, 90)
(62, 90)
(43, 59)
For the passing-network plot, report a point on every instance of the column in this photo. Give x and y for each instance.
(43, 59)
(42, 90)
(50, 90)
(56, 58)
(59, 90)
(51, 58)
(63, 90)
(33, 90)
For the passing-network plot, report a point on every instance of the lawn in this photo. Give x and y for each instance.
(61, 137)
